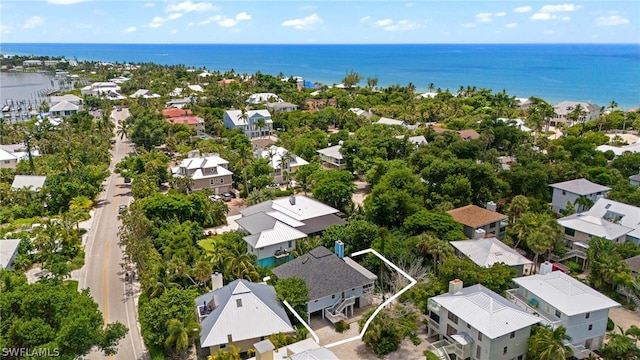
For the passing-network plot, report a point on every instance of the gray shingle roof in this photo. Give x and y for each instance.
(324, 273)
(244, 310)
(580, 187)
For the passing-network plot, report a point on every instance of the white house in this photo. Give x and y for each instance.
(563, 109)
(11, 154)
(32, 182)
(261, 98)
(332, 157)
(99, 88)
(560, 300)
(8, 252)
(64, 109)
(241, 313)
(569, 191)
(476, 323)
(489, 251)
(274, 226)
(247, 121)
(283, 162)
(478, 223)
(207, 172)
(144, 93)
(388, 121)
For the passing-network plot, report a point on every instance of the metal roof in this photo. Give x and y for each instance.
(486, 311)
(280, 233)
(8, 249)
(235, 116)
(565, 293)
(32, 182)
(275, 153)
(244, 311)
(489, 251)
(64, 106)
(256, 222)
(580, 187)
(594, 226)
(332, 151)
(302, 207)
(324, 273)
(315, 354)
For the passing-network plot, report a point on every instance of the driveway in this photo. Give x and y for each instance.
(624, 318)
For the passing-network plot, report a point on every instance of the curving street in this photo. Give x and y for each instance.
(103, 273)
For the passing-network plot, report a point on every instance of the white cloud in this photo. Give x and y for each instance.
(522, 9)
(227, 22)
(188, 6)
(307, 8)
(243, 16)
(483, 17)
(385, 22)
(408, 4)
(511, 25)
(174, 31)
(365, 19)
(84, 26)
(174, 16)
(130, 29)
(566, 18)
(5, 29)
(157, 21)
(612, 20)
(210, 20)
(33, 22)
(560, 8)
(190, 24)
(149, 5)
(468, 25)
(402, 25)
(305, 23)
(548, 32)
(64, 2)
(502, 13)
(542, 16)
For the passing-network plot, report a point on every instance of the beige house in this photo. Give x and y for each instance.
(479, 223)
(332, 157)
(207, 172)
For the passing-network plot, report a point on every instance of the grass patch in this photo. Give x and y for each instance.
(71, 284)
(207, 244)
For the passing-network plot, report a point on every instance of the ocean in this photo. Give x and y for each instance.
(555, 72)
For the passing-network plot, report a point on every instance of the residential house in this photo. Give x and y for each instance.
(76, 100)
(11, 154)
(282, 161)
(186, 117)
(336, 284)
(178, 103)
(64, 109)
(635, 180)
(32, 182)
(31, 63)
(247, 121)
(332, 157)
(427, 95)
(388, 121)
(306, 349)
(479, 223)
(7, 160)
(565, 108)
(176, 112)
(8, 252)
(476, 323)
(524, 103)
(281, 106)
(517, 122)
(560, 300)
(466, 135)
(634, 264)
(489, 251)
(262, 98)
(241, 314)
(360, 112)
(274, 226)
(259, 144)
(119, 79)
(207, 172)
(225, 82)
(570, 191)
(313, 105)
(144, 93)
(190, 88)
(417, 141)
(100, 88)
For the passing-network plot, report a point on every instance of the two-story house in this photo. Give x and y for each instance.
(207, 172)
(186, 117)
(476, 323)
(479, 223)
(332, 157)
(241, 314)
(570, 191)
(274, 226)
(489, 251)
(560, 300)
(249, 122)
(283, 162)
(337, 284)
(564, 109)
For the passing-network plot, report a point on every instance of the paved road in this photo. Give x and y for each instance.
(103, 274)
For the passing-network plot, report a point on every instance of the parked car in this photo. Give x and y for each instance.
(122, 208)
(228, 196)
(215, 198)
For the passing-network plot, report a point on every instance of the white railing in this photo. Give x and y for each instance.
(521, 303)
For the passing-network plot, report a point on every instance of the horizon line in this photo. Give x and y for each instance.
(314, 44)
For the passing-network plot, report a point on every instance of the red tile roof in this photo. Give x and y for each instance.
(175, 112)
(187, 120)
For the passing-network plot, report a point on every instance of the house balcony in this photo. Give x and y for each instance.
(202, 312)
(445, 347)
(521, 302)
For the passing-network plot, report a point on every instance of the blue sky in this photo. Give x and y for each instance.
(319, 22)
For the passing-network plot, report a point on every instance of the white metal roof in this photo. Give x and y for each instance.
(235, 116)
(332, 151)
(388, 121)
(275, 153)
(486, 311)
(64, 106)
(32, 182)
(489, 251)
(246, 311)
(580, 187)
(8, 249)
(280, 233)
(565, 293)
(302, 208)
(594, 226)
(263, 98)
(5, 155)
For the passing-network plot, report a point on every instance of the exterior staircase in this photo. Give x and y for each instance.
(335, 312)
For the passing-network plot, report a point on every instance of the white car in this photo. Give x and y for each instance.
(215, 198)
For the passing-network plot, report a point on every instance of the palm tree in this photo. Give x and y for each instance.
(548, 344)
(619, 346)
(633, 331)
(612, 105)
(434, 247)
(583, 203)
(578, 114)
(181, 333)
(431, 87)
(260, 123)
(539, 242)
(519, 205)
(245, 158)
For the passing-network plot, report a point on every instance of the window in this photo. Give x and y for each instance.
(493, 224)
(570, 232)
(7, 161)
(586, 316)
(564, 192)
(590, 327)
(333, 296)
(290, 244)
(222, 346)
(221, 180)
(505, 350)
(520, 357)
(512, 335)
(468, 326)
(558, 314)
(478, 351)
(212, 182)
(451, 330)
(239, 302)
(451, 316)
(479, 336)
(434, 316)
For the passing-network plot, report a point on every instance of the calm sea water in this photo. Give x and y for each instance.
(596, 73)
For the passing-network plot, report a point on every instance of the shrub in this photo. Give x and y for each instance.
(610, 325)
(574, 267)
(342, 326)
